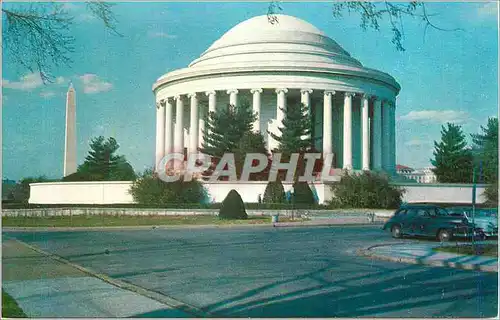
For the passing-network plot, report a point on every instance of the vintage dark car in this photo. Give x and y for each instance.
(484, 219)
(429, 221)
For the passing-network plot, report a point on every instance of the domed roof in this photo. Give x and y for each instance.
(290, 40)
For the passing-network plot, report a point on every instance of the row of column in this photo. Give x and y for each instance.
(170, 139)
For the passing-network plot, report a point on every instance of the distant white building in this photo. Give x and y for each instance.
(424, 175)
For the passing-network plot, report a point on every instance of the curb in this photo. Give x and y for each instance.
(419, 261)
(154, 227)
(166, 300)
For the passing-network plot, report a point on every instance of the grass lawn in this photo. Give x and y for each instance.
(490, 250)
(10, 309)
(109, 220)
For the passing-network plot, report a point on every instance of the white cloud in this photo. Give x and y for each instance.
(161, 34)
(47, 94)
(60, 80)
(488, 9)
(93, 84)
(27, 82)
(439, 116)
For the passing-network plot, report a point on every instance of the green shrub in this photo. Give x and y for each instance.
(233, 207)
(150, 191)
(366, 190)
(491, 194)
(274, 193)
(302, 194)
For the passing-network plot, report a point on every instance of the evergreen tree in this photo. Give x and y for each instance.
(225, 128)
(103, 164)
(452, 159)
(295, 135)
(274, 193)
(296, 130)
(486, 148)
(250, 142)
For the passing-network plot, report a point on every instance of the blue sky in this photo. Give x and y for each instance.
(445, 76)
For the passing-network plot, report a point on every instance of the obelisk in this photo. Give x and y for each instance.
(70, 139)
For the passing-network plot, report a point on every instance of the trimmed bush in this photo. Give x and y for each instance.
(366, 190)
(233, 207)
(274, 193)
(150, 191)
(303, 194)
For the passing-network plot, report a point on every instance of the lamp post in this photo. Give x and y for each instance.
(292, 197)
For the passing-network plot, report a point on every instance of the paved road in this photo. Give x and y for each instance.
(281, 272)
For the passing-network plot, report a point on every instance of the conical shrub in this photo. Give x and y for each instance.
(303, 194)
(274, 193)
(233, 207)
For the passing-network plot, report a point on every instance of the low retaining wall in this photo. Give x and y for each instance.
(441, 193)
(117, 192)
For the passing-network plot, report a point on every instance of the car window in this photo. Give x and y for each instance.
(401, 212)
(411, 212)
(422, 213)
(442, 212)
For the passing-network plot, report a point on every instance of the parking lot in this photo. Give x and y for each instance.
(276, 272)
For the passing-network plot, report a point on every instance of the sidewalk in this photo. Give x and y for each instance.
(423, 253)
(46, 288)
(320, 222)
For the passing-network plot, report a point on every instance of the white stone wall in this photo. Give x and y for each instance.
(442, 193)
(117, 192)
(88, 192)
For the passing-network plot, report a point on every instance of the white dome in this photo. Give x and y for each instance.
(290, 53)
(289, 40)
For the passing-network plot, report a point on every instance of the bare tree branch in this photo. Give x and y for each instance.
(38, 36)
(371, 13)
(103, 11)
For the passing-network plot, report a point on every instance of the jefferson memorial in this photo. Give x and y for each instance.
(272, 65)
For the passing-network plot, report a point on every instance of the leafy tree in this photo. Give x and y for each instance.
(102, 163)
(452, 159)
(149, 190)
(373, 14)
(485, 145)
(366, 190)
(225, 128)
(37, 36)
(233, 207)
(274, 193)
(491, 194)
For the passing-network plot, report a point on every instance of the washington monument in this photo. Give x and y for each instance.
(70, 139)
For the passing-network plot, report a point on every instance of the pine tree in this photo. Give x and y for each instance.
(225, 128)
(452, 159)
(295, 135)
(486, 148)
(102, 163)
(250, 142)
(296, 130)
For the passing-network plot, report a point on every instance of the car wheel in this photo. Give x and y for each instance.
(444, 235)
(396, 231)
